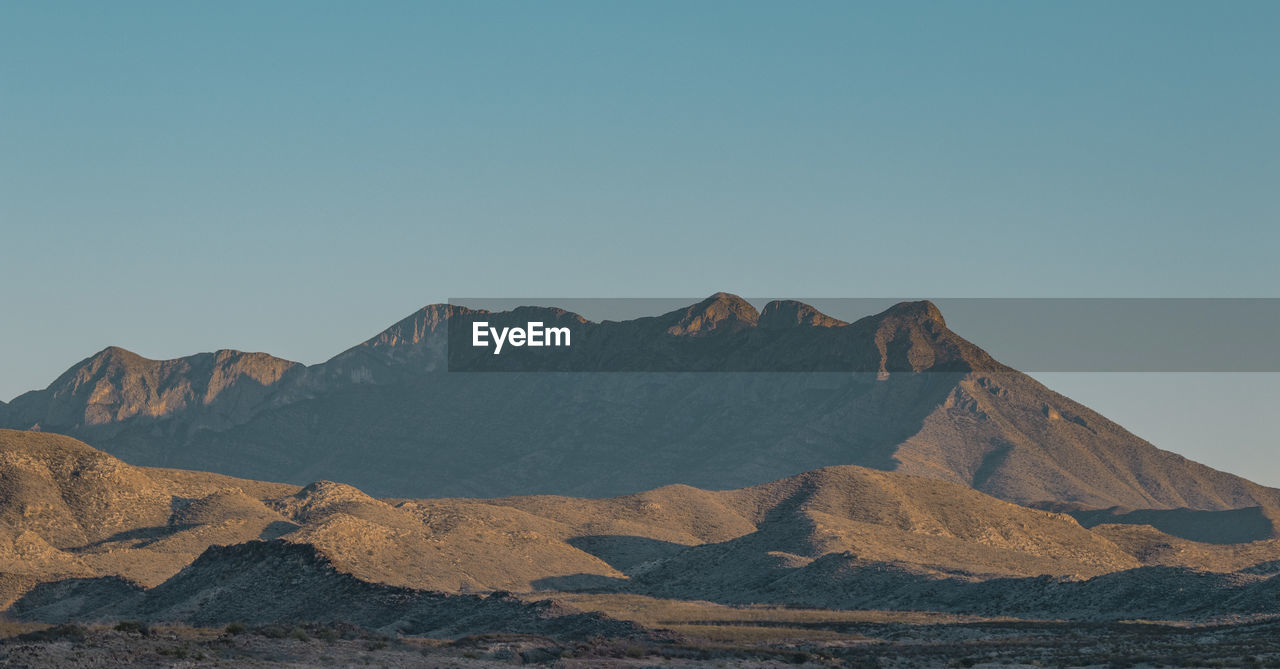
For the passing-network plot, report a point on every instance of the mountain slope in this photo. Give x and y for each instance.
(910, 395)
(1009, 436)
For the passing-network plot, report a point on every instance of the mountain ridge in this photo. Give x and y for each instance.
(921, 400)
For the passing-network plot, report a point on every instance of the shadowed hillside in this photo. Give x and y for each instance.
(118, 541)
(275, 582)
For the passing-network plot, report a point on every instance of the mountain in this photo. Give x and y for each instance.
(114, 388)
(629, 407)
(84, 536)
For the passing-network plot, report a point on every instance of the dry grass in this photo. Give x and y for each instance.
(748, 635)
(10, 629)
(716, 625)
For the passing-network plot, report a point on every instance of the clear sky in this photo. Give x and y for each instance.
(294, 176)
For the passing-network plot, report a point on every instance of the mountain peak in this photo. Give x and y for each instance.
(116, 384)
(919, 311)
(418, 326)
(792, 313)
(115, 353)
(722, 311)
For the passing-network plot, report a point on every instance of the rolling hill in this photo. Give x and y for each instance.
(111, 539)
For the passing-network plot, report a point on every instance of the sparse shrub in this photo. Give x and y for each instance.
(542, 655)
(335, 630)
(273, 631)
(68, 632)
(299, 634)
(183, 652)
(132, 627)
(235, 629)
(635, 652)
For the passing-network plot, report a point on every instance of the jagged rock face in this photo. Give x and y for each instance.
(387, 417)
(415, 346)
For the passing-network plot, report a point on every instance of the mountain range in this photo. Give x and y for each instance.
(631, 408)
(715, 453)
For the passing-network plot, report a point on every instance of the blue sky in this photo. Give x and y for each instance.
(293, 176)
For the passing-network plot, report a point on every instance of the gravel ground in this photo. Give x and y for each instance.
(883, 646)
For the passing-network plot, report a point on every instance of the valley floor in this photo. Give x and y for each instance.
(701, 634)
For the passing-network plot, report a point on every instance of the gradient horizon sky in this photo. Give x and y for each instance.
(292, 177)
